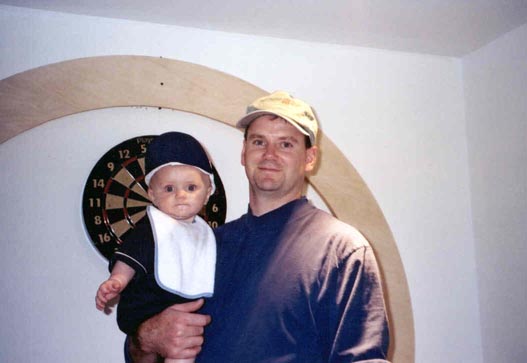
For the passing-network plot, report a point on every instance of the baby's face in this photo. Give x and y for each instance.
(179, 191)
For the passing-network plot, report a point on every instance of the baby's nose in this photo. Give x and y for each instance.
(180, 193)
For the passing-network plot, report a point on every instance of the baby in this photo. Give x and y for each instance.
(170, 256)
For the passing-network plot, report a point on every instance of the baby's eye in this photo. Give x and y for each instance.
(192, 188)
(169, 189)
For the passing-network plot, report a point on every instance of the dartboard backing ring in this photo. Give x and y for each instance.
(115, 195)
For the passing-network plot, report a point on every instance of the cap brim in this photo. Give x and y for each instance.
(149, 176)
(251, 116)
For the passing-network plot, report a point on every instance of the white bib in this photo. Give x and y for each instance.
(185, 255)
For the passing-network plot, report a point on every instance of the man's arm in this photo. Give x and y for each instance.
(176, 332)
(357, 328)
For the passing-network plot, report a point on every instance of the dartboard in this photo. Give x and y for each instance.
(115, 195)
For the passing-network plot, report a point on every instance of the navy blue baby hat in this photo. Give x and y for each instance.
(176, 148)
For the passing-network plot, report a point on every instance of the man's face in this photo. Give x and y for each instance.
(275, 158)
(179, 191)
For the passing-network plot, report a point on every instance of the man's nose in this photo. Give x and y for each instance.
(270, 151)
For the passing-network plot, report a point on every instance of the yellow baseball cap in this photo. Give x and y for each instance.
(282, 104)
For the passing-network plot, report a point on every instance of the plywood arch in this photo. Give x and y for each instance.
(31, 98)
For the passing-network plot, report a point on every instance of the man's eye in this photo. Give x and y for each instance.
(257, 142)
(169, 188)
(287, 144)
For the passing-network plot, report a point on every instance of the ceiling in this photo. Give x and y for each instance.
(440, 27)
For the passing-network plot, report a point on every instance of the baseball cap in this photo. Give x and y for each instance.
(282, 104)
(176, 148)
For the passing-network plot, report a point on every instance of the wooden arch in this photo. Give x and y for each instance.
(31, 98)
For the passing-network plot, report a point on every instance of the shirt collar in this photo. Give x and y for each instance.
(277, 216)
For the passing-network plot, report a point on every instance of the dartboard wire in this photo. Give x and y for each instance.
(129, 161)
(134, 187)
(127, 215)
(106, 218)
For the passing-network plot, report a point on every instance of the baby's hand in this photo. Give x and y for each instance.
(107, 291)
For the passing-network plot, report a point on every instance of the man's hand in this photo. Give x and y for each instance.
(176, 332)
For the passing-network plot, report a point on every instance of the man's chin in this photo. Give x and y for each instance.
(268, 185)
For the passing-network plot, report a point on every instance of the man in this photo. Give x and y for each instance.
(293, 284)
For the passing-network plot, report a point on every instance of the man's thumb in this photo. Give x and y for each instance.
(189, 307)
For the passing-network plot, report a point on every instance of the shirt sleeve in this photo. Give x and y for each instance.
(354, 323)
(137, 250)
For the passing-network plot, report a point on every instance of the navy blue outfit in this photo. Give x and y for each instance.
(142, 298)
(295, 285)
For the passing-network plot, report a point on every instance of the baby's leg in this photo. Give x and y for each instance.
(173, 360)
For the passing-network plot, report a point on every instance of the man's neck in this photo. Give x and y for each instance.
(263, 204)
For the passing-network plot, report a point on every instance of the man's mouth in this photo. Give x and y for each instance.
(268, 167)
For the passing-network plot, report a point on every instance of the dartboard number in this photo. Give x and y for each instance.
(124, 154)
(98, 183)
(115, 196)
(94, 202)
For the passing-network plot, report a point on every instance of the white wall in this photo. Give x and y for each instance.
(398, 117)
(495, 80)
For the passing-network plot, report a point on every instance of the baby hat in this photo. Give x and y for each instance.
(177, 148)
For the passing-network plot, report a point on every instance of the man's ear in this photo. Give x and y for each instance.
(311, 158)
(242, 156)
